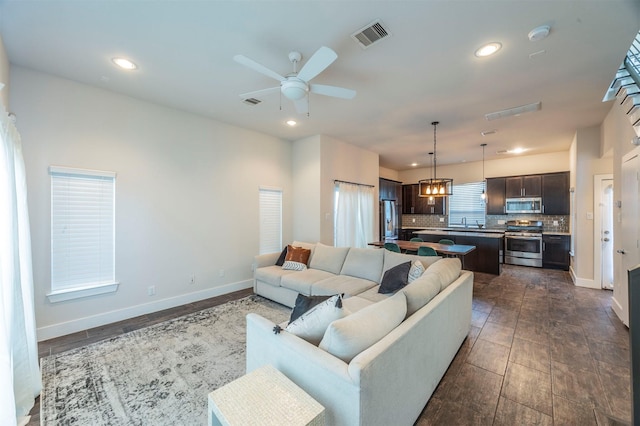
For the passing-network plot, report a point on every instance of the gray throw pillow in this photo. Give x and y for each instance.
(395, 278)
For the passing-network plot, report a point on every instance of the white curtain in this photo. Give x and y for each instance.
(19, 370)
(354, 209)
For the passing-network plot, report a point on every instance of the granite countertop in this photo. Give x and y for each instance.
(555, 233)
(462, 232)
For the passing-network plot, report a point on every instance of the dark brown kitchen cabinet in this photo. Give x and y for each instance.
(389, 189)
(555, 251)
(414, 204)
(555, 193)
(523, 186)
(496, 195)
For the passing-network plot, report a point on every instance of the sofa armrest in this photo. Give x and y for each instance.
(263, 260)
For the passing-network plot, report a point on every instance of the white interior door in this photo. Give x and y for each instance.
(628, 247)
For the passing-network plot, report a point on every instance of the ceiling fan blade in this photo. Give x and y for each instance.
(336, 92)
(250, 63)
(302, 105)
(317, 63)
(259, 92)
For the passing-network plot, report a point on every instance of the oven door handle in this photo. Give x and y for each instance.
(524, 238)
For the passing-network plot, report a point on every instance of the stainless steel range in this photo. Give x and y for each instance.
(523, 243)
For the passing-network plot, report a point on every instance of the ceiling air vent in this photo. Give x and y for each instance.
(372, 33)
(513, 111)
(252, 101)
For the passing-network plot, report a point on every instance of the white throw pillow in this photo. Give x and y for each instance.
(417, 268)
(294, 266)
(311, 325)
(347, 337)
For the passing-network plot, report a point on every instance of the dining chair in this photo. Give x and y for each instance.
(416, 240)
(446, 241)
(426, 251)
(392, 247)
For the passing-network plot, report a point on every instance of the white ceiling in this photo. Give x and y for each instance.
(425, 71)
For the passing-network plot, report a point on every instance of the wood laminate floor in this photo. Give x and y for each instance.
(540, 352)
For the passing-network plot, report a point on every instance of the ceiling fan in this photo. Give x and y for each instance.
(295, 85)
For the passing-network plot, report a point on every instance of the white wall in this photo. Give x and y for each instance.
(388, 173)
(588, 163)
(186, 195)
(507, 166)
(4, 76)
(306, 174)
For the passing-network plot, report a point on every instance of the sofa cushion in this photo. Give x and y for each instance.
(421, 291)
(373, 295)
(347, 337)
(356, 303)
(395, 278)
(301, 281)
(350, 286)
(297, 254)
(304, 303)
(417, 269)
(448, 270)
(392, 259)
(312, 325)
(271, 274)
(328, 258)
(364, 263)
(310, 246)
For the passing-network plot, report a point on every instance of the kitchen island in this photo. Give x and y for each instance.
(487, 257)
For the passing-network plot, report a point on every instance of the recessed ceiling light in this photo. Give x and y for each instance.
(291, 123)
(414, 164)
(125, 64)
(488, 49)
(517, 151)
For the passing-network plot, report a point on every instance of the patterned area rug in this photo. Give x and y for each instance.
(159, 375)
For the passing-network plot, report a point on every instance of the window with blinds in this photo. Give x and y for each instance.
(270, 220)
(466, 202)
(82, 228)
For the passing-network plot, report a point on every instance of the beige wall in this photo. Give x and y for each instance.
(587, 164)
(186, 191)
(317, 162)
(389, 173)
(4, 76)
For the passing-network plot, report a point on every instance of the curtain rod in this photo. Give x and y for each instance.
(353, 183)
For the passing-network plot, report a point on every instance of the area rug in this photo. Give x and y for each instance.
(159, 375)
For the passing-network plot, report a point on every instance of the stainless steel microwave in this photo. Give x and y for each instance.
(524, 205)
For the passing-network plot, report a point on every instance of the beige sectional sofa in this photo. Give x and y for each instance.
(413, 334)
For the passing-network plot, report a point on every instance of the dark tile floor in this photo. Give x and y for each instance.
(540, 352)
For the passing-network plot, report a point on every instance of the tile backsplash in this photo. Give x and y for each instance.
(492, 221)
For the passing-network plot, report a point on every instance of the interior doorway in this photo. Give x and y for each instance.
(603, 231)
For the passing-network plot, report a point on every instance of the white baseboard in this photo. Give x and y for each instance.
(64, 328)
(582, 282)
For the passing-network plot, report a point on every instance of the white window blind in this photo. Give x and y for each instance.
(466, 202)
(270, 220)
(82, 228)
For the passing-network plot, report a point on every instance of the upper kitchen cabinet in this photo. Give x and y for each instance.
(389, 189)
(496, 195)
(523, 186)
(412, 203)
(555, 193)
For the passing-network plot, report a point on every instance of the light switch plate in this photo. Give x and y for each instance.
(442, 219)
(589, 215)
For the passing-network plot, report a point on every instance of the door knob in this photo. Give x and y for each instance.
(620, 251)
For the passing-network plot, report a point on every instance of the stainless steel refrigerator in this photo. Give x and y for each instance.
(389, 219)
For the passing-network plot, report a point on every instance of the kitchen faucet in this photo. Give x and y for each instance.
(464, 221)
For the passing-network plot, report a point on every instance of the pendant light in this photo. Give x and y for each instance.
(484, 182)
(435, 187)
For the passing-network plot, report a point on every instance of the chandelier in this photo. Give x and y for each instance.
(435, 186)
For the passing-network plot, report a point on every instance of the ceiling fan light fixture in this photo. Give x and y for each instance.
(294, 89)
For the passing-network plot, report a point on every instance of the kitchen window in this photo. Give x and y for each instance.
(82, 233)
(466, 205)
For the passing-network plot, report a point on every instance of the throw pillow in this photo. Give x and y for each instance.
(294, 266)
(347, 337)
(304, 303)
(395, 278)
(297, 254)
(280, 260)
(312, 325)
(417, 268)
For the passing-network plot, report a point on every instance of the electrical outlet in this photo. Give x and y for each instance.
(192, 280)
(555, 223)
(442, 219)
(221, 273)
(151, 290)
(413, 220)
